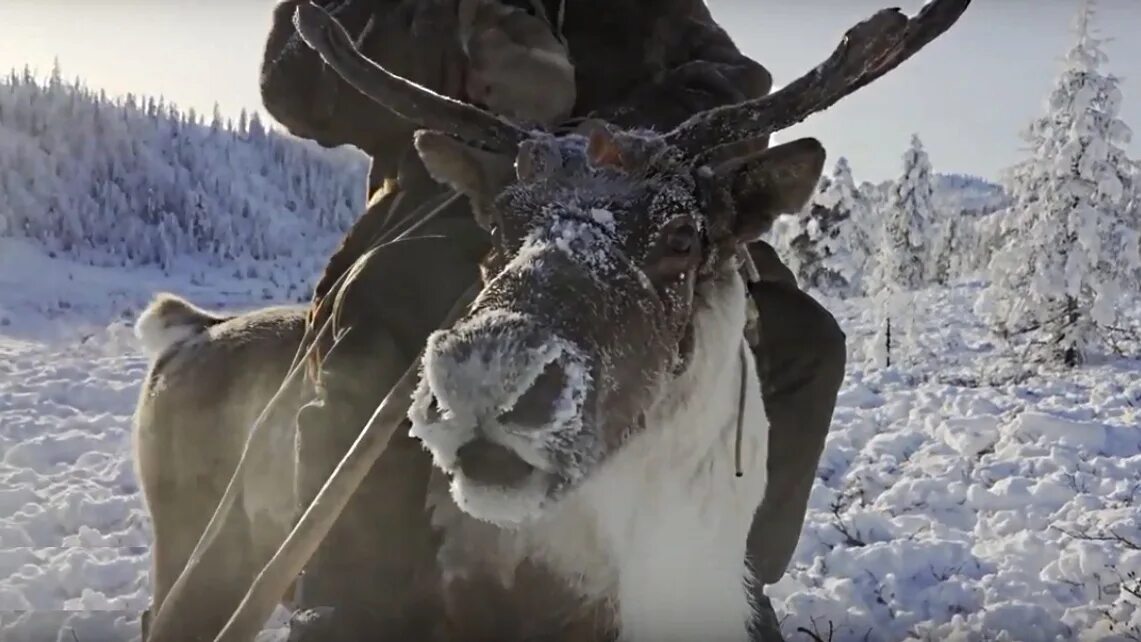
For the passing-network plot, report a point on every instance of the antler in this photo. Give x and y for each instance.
(417, 103)
(869, 50)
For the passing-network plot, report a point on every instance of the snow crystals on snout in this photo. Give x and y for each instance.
(585, 242)
(603, 217)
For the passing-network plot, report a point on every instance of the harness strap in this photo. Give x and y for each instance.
(741, 399)
(751, 340)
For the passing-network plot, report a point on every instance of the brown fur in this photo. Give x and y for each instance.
(191, 424)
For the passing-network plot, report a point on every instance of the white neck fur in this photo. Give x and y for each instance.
(660, 529)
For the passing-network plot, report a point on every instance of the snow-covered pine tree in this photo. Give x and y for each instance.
(832, 241)
(801, 244)
(1023, 182)
(850, 243)
(1131, 233)
(1060, 278)
(907, 223)
(947, 248)
(257, 130)
(901, 265)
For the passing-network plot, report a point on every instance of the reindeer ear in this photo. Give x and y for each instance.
(601, 148)
(768, 183)
(477, 173)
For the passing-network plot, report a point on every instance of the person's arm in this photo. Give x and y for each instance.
(707, 71)
(412, 38)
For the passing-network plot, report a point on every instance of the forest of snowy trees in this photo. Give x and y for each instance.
(1059, 246)
(136, 181)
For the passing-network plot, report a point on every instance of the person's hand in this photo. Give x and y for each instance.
(516, 66)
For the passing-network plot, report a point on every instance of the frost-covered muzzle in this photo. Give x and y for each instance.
(531, 391)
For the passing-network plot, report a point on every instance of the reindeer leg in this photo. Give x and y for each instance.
(145, 624)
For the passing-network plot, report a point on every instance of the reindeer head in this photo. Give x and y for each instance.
(607, 248)
(610, 250)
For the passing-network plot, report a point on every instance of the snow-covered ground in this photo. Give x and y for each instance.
(950, 509)
(74, 535)
(950, 494)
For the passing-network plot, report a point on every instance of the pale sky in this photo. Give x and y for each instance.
(967, 95)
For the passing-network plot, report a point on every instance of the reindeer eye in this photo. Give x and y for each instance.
(682, 239)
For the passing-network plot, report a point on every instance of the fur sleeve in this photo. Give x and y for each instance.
(291, 72)
(703, 69)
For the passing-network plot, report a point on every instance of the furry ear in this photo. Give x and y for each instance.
(476, 173)
(601, 148)
(765, 184)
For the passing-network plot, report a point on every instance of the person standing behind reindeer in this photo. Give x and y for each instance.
(634, 63)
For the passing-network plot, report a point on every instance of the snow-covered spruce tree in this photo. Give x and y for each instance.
(1067, 259)
(802, 242)
(902, 263)
(907, 222)
(947, 248)
(848, 243)
(1131, 234)
(830, 242)
(1024, 182)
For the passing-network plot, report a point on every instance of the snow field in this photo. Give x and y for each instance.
(945, 509)
(950, 503)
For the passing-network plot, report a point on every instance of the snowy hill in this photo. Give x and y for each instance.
(135, 181)
(971, 195)
(968, 194)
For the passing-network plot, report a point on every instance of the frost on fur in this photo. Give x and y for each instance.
(169, 320)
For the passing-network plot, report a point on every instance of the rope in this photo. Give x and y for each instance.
(752, 275)
(741, 400)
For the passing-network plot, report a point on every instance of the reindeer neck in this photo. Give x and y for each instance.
(660, 531)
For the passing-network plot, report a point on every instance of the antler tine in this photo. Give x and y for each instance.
(868, 50)
(412, 101)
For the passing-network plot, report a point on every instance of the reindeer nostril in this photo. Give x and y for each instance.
(536, 407)
(490, 463)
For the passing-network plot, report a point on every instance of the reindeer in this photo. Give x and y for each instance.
(209, 379)
(590, 412)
